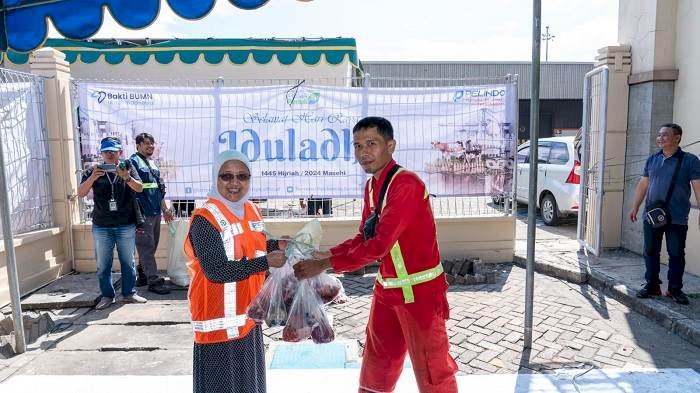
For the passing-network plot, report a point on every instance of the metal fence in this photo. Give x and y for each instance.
(480, 169)
(595, 108)
(25, 151)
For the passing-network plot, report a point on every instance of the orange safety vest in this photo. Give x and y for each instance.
(218, 310)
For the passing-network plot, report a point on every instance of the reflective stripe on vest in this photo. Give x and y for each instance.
(213, 325)
(406, 281)
(144, 165)
(403, 280)
(230, 319)
(146, 168)
(256, 226)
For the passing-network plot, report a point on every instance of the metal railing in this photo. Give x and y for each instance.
(485, 171)
(595, 108)
(24, 139)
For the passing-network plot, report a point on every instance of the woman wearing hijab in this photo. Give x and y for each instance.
(229, 255)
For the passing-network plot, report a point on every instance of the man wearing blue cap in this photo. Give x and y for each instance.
(113, 184)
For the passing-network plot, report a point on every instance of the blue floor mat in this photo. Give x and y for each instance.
(308, 356)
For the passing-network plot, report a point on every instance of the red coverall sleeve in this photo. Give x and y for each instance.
(403, 197)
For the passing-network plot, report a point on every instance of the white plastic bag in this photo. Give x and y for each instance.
(304, 243)
(177, 260)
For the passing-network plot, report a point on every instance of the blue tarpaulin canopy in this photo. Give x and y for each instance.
(24, 26)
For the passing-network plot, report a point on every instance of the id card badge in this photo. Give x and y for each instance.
(112, 205)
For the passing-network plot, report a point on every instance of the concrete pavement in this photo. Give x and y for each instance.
(337, 381)
(618, 274)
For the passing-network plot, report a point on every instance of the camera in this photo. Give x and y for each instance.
(124, 165)
(111, 168)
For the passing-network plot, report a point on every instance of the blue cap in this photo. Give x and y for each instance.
(109, 144)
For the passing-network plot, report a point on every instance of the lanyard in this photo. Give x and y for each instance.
(111, 183)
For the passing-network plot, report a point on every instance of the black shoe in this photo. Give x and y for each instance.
(159, 287)
(678, 296)
(141, 279)
(649, 291)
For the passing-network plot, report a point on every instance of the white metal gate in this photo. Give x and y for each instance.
(24, 140)
(595, 106)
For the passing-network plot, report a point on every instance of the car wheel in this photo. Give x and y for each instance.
(549, 210)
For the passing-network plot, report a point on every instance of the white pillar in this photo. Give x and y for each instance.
(50, 63)
(617, 60)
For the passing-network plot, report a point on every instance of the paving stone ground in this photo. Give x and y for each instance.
(575, 326)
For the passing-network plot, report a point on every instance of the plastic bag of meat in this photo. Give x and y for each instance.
(272, 304)
(303, 245)
(307, 317)
(275, 299)
(329, 288)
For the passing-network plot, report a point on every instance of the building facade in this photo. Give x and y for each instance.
(561, 90)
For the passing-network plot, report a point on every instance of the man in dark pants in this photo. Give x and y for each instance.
(151, 202)
(654, 185)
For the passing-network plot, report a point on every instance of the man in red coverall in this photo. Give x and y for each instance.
(409, 307)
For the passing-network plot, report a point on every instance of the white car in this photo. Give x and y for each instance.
(558, 178)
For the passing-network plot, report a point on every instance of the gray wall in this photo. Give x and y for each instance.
(558, 80)
(553, 114)
(650, 106)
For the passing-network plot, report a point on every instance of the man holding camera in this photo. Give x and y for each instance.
(114, 216)
(409, 306)
(668, 176)
(151, 202)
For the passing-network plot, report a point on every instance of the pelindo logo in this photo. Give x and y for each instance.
(309, 98)
(478, 93)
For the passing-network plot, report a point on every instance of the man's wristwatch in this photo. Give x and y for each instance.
(128, 179)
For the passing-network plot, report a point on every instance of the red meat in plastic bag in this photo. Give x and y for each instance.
(327, 287)
(297, 329)
(322, 332)
(257, 311)
(269, 305)
(307, 317)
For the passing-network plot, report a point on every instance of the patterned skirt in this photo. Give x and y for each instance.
(236, 366)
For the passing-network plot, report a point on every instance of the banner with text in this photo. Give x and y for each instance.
(459, 140)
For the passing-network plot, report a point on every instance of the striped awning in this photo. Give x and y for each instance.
(24, 26)
(213, 51)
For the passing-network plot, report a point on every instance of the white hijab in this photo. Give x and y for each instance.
(237, 208)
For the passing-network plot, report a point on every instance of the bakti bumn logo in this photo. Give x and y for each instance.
(133, 97)
(100, 95)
